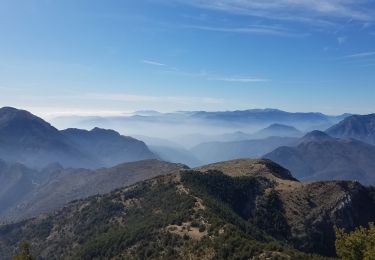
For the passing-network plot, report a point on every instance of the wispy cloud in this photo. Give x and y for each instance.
(153, 63)
(254, 29)
(240, 79)
(303, 10)
(203, 74)
(214, 77)
(360, 55)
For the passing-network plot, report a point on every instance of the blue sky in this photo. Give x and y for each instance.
(109, 57)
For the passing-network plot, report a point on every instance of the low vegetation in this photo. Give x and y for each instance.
(356, 245)
(189, 215)
(24, 252)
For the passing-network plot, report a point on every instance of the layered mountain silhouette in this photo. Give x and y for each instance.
(220, 151)
(319, 156)
(278, 130)
(245, 209)
(360, 127)
(27, 139)
(203, 149)
(267, 116)
(189, 128)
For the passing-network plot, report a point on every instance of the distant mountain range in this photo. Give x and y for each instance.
(240, 145)
(273, 130)
(319, 156)
(189, 128)
(268, 116)
(316, 156)
(29, 140)
(245, 209)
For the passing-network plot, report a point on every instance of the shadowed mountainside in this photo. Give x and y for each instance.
(357, 127)
(319, 156)
(30, 140)
(109, 147)
(27, 139)
(37, 194)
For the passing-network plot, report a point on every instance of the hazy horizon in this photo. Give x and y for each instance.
(47, 115)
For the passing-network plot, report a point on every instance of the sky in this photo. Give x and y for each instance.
(95, 57)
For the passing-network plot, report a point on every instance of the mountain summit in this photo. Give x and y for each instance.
(28, 139)
(108, 146)
(278, 130)
(358, 127)
(316, 136)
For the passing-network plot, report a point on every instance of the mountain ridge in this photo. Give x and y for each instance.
(108, 146)
(203, 215)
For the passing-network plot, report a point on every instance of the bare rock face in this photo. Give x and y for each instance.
(312, 210)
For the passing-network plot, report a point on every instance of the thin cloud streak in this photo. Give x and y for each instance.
(266, 30)
(301, 10)
(360, 55)
(212, 77)
(154, 63)
(240, 79)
